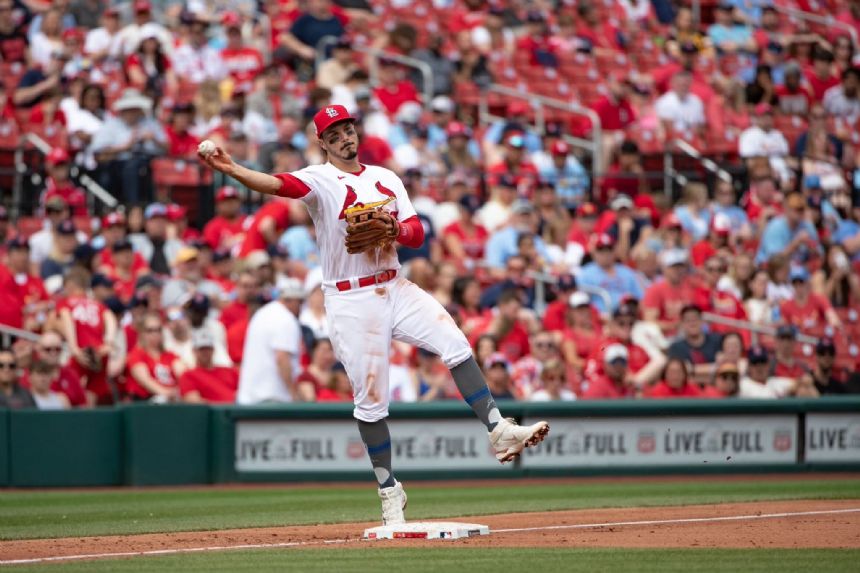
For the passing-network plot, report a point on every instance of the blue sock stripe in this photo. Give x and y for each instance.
(482, 393)
(373, 450)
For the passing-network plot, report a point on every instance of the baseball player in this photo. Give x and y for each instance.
(359, 211)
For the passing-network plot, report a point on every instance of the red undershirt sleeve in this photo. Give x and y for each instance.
(411, 232)
(292, 186)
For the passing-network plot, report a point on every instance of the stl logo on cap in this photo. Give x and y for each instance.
(331, 112)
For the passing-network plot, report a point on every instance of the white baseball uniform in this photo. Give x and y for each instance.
(364, 319)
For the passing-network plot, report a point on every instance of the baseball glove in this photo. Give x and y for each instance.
(368, 229)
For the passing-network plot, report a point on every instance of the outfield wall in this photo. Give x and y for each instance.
(186, 444)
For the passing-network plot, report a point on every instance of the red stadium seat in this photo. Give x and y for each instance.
(180, 181)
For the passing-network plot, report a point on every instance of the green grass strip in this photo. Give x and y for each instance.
(25, 515)
(479, 560)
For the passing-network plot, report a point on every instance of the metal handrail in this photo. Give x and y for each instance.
(18, 332)
(752, 327)
(89, 184)
(538, 102)
(373, 68)
(828, 20)
(542, 278)
(670, 173)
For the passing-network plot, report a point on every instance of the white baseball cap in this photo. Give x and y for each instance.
(202, 339)
(615, 352)
(672, 257)
(291, 289)
(578, 299)
(442, 103)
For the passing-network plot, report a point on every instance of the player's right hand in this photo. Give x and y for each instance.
(219, 160)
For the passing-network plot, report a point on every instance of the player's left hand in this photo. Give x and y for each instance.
(369, 229)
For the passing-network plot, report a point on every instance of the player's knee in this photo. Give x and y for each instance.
(456, 355)
(370, 412)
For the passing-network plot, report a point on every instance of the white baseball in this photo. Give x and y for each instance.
(206, 148)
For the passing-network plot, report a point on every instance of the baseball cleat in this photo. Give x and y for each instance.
(393, 503)
(509, 439)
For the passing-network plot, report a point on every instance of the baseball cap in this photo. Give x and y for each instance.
(522, 207)
(559, 148)
(227, 192)
(786, 331)
(671, 221)
(727, 368)
(621, 201)
(758, 355)
(799, 274)
(199, 303)
(762, 109)
(277, 252)
(113, 220)
(122, 245)
(825, 345)
(506, 180)
(142, 6)
(291, 289)
(497, 359)
(84, 253)
(516, 141)
(721, 224)
(442, 104)
(220, 255)
(18, 243)
(115, 305)
(100, 280)
(615, 353)
(587, 210)
(184, 255)
(518, 108)
(578, 299)
(329, 116)
(231, 20)
(138, 299)
(257, 259)
(672, 257)
(471, 203)
(66, 227)
(791, 68)
(604, 240)
(691, 306)
(566, 283)
(624, 310)
(689, 48)
(147, 281)
(458, 129)
(176, 212)
(155, 210)
(202, 339)
(57, 156)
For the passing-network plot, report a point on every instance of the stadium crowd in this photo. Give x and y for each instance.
(573, 278)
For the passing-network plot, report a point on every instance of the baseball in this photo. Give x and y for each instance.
(206, 148)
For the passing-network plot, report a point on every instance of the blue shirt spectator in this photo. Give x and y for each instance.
(605, 273)
(789, 233)
(564, 172)
(301, 245)
(504, 243)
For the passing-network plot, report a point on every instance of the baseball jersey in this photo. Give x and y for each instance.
(217, 384)
(88, 318)
(328, 192)
(160, 368)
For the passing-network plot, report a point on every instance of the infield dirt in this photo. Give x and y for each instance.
(835, 530)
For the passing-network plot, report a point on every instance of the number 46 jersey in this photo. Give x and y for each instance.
(328, 192)
(87, 315)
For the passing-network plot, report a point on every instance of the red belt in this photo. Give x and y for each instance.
(382, 277)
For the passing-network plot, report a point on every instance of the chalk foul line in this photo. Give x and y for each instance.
(280, 545)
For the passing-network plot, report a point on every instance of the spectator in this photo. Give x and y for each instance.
(337, 69)
(62, 254)
(153, 373)
(665, 299)
(89, 329)
(759, 308)
(207, 383)
(675, 382)
(759, 383)
(38, 82)
(726, 203)
(104, 42)
(680, 110)
(125, 145)
(271, 101)
(338, 387)
(466, 297)
(312, 25)
(506, 326)
(41, 376)
(817, 118)
(614, 382)
(582, 333)
(59, 183)
(516, 121)
(48, 350)
(497, 369)
(835, 281)
(727, 112)
(154, 245)
(180, 141)
(226, 229)
(536, 41)
(693, 212)
(515, 163)
(266, 226)
(711, 298)
(789, 234)
(434, 382)
(46, 37)
(763, 140)
(565, 173)
(195, 61)
(807, 310)
(149, 70)
(14, 44)
(318, 372)
(247, 288)
(243, 63)
(785, 363)
(270, 361)
(642, 367)
(12, 394)
(729, 36)
(843, 101)
(124, 272)
(84, 118)
(131, 36)
(696, 345)
(187, 279)
(718, 241)
(740, 272)
(527, 370)
(504, 243)
(34, 299)
(394, 90)
(626, 227)
(553, 384)
(497, 210)
(821, 77)
(604, 272)
(615, 112)
(795, 96)
(726, 383)
(828, 378)
(464, 240)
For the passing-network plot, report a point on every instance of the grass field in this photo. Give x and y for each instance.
(40, 515)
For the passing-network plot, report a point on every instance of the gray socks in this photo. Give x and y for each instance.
(377, 439)
(471, 384)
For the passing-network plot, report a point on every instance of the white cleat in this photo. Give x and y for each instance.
(509, 439)
(393, 503)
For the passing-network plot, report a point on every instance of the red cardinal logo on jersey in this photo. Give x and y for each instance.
(348, 202)
(385, 191)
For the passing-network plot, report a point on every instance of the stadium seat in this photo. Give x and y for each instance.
(180, 181)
